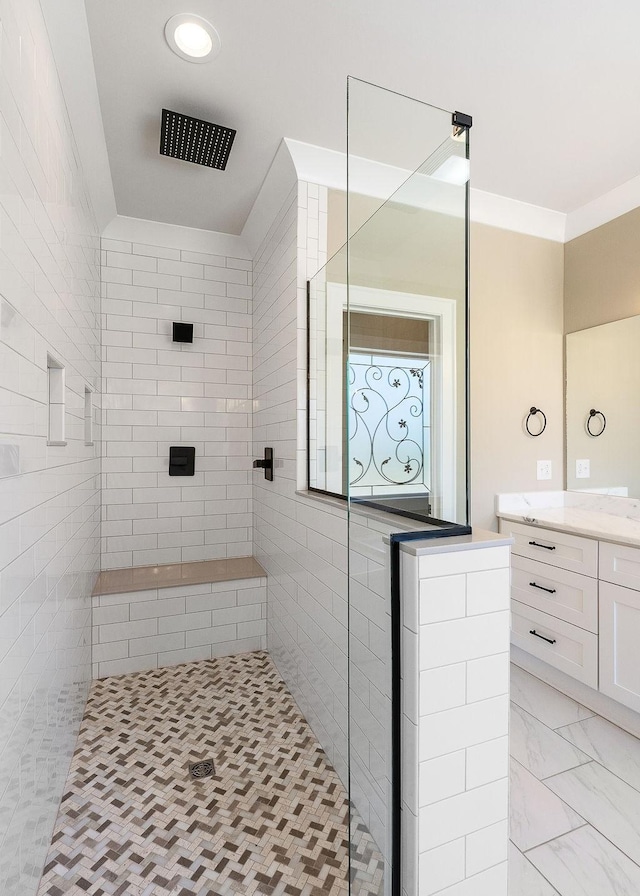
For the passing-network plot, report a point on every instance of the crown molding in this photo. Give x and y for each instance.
(327, 167)
(605, 208)
(520, 217)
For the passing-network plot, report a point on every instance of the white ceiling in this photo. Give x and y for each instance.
(552, 87)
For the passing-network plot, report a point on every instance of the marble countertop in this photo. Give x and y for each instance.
(580, 521)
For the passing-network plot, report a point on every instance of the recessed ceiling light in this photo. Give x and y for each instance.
(192, 38)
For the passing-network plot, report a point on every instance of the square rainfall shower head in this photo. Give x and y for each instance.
(194, 140)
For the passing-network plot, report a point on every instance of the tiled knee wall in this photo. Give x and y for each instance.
(456, 705)
(142, 630)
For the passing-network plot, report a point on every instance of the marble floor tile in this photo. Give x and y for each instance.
(609, 804)
(540, 749)
(543, 701)
(584, 863)
(524, 879)
(537, 814)
(609, 745)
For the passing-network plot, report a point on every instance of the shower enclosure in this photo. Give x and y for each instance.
(388, 420)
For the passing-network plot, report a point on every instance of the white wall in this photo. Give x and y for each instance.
(158, 393)
(49, 496)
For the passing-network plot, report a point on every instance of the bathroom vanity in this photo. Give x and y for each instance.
(575, 588)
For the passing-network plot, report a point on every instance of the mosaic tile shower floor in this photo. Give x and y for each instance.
(273, 819)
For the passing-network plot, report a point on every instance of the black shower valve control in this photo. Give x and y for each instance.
(182, 460)
(266, 464)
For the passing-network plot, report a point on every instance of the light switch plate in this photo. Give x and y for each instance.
(544, 469)
(583, 469)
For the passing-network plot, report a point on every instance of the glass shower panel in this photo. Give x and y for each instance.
(401, 319)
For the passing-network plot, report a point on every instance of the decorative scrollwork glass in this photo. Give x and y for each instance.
(389, 425)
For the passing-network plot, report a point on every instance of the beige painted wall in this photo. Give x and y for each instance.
(410, 250)
(602, 274)
(602, 286)
(603, 372)
(516, 345)
(516, 362)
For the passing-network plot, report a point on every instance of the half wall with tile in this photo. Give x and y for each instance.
(455, 716)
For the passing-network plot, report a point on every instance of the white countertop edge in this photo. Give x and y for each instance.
(572, 528)
(479, 539)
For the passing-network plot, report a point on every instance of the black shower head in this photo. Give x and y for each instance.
(194, 140)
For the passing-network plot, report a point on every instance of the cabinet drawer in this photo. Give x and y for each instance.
(573, 651)
(620, 564)
(558, 592)
(570, 552)
(619, 644)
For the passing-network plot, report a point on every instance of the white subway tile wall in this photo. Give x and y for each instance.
(158, 393)
(301, 542)
(49, 495)
(143, 630)
(457, 722)
(370, 670)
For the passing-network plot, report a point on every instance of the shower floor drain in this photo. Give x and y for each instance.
(202, 769)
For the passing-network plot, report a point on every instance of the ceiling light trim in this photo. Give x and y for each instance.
(177, 24)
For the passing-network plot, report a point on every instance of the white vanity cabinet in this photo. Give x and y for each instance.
(620, 623)
(575, 603)
(559, 549)
(554, 598)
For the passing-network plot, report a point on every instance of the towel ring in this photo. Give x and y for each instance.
(593, 413)
(532, 412)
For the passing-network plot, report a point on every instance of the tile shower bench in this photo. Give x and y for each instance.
(152, 616)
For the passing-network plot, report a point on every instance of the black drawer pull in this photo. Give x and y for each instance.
(542, 588)
(549, 640)
(547, 547)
